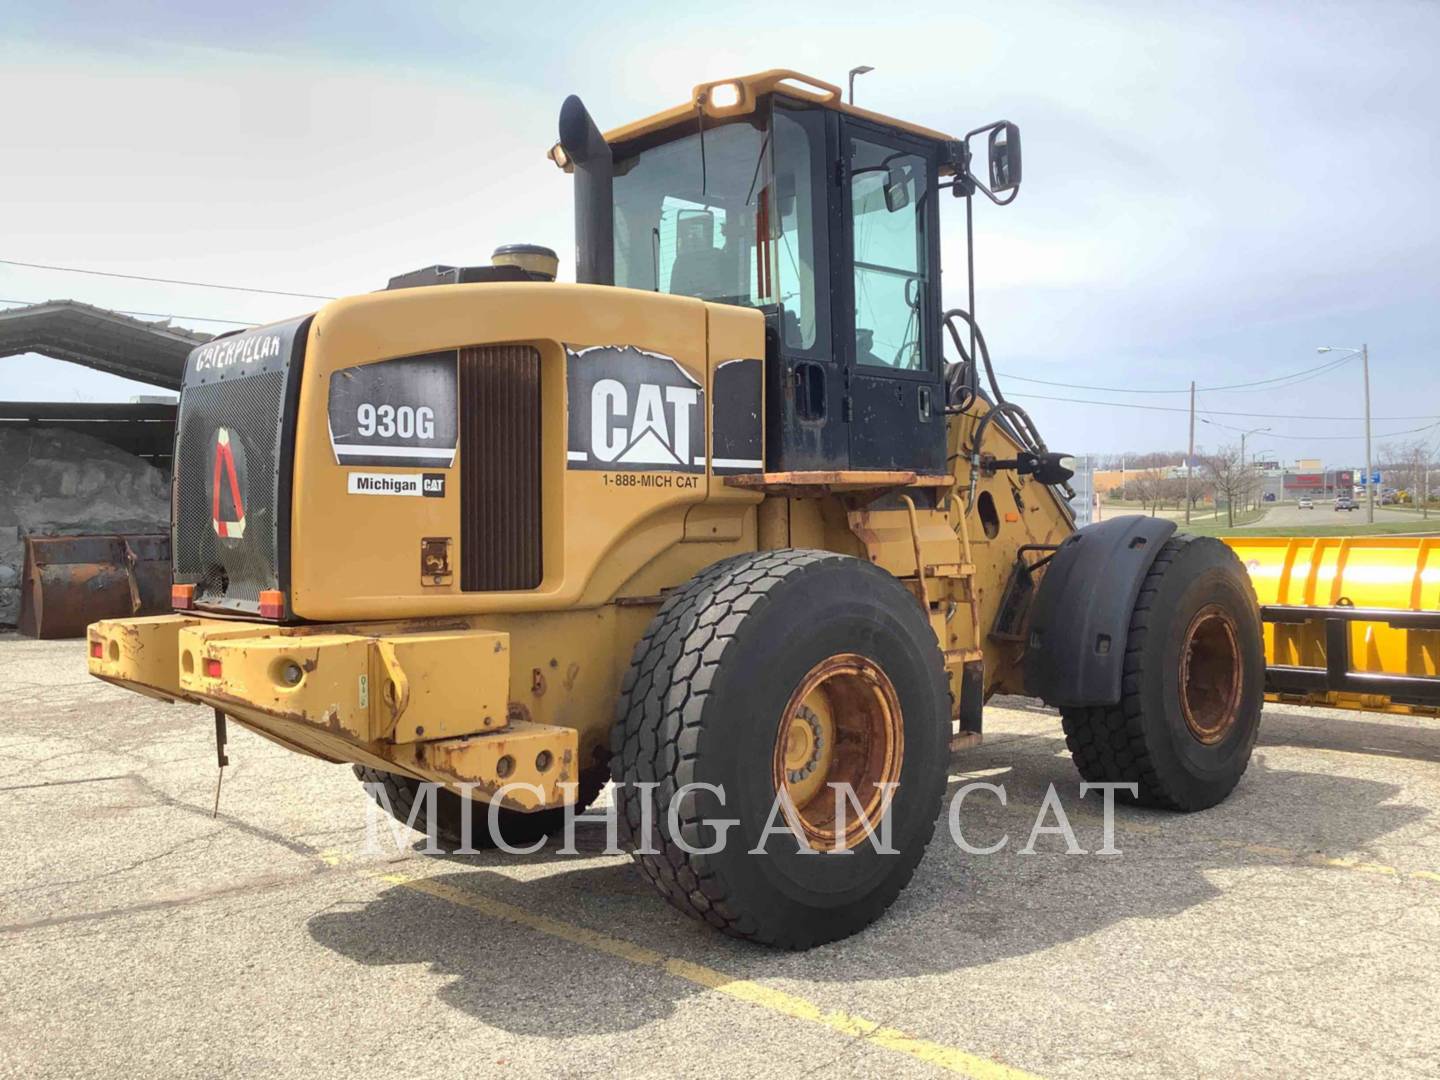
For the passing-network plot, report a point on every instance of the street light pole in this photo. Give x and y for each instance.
(863, 69)
(1244, 472)
(1190, 459)
(1364, 351)
(1425, 498)
(1260, 473)
(1369, 475)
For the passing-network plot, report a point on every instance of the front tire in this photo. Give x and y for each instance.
(1192, 687)
(782, 670)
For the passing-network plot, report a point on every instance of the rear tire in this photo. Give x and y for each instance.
(782, 669)
(1192, 687)
(517, 828)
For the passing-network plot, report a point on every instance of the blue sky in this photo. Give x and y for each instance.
(1211, 191)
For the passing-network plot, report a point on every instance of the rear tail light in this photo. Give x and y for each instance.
(212, 668)
(272, 604)
(97, 649)
(182, 597)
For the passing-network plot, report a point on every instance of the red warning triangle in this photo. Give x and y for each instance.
(227, 526)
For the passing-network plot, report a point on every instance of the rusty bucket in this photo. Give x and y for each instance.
(70, 581)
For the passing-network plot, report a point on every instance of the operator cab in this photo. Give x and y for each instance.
(768, 192)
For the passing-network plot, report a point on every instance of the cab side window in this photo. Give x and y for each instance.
(801, 246)
(887, 198)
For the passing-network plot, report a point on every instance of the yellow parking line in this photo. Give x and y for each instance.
(949, 1058)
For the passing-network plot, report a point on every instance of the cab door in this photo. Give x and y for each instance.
(891, 346)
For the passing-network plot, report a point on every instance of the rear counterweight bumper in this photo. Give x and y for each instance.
(429, 701)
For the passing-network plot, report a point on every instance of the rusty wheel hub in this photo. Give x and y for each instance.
(1210, 675)
(841, 726)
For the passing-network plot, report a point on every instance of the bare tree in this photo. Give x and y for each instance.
(1158, 459)
(1407, 465)
(1172, 489)
(1148, 486)
(1230, 477)
(1142, 459)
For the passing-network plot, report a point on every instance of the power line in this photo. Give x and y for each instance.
(163, 281)
(149, 314)
(1209, 412)
(1307, 372)
(1310, 438)
(1298, 376)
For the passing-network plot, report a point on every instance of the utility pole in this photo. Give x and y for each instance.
(1369, 474)
(1246, 504)
(1190, 457)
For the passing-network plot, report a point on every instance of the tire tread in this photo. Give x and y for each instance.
(1108, 742)
(658, 724)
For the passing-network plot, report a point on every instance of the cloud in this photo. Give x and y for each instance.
(1210, 191)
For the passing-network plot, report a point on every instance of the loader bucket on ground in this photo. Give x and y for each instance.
(72, 581)
(1350, 622)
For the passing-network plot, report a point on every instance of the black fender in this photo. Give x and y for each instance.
(1080, 618)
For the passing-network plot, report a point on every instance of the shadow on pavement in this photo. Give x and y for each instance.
(1415, 739)
(959, 911)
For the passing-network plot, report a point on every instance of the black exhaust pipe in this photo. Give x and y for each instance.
(594, 205)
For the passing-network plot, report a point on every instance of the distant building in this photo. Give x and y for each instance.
(1109, 482)
(1301, 480)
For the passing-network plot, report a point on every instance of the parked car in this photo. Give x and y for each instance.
(1305, 504)
(1269, 496)
(1345, 502)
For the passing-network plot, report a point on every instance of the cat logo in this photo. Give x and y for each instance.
(227, 505)
(634, 410)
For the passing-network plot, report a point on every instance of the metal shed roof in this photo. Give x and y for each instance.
(150, 352)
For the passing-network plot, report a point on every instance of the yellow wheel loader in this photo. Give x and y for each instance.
(719, 523)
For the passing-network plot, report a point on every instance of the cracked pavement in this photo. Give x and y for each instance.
(1292, 931)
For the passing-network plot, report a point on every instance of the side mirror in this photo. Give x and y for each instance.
(1004, 157)
(897, 187)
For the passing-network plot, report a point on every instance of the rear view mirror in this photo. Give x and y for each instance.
(897, 187)
(694, 231)
(1004, 157)
(785, 194)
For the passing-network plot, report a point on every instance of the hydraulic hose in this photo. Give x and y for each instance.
(1015, 418)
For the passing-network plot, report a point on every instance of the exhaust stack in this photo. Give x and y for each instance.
(594, 206)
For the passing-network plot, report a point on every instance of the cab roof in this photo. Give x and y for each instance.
(745, 92)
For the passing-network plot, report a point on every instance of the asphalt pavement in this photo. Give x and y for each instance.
(1288, 516)
(1292, 931)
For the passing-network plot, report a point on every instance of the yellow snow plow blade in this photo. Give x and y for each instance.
(1350, 622)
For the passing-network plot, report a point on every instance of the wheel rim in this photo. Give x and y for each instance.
(842, 725)
(1210, 675)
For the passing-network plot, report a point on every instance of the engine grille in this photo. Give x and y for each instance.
(500, 534)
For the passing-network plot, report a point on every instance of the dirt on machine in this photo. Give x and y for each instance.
(721, 522)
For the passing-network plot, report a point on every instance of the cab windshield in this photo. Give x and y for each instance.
(727, 218)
